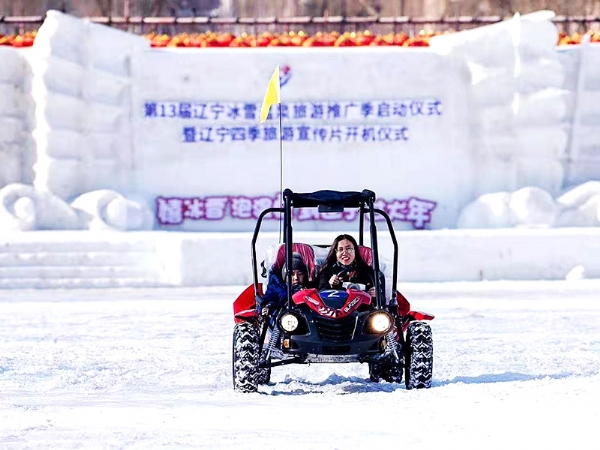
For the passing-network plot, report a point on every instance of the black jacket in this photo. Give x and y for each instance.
(354, 273)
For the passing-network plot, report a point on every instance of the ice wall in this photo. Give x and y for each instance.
(16, 146)
(581, 65)
(518, 101)
(408, 82)
(515, 112)
(82, 87)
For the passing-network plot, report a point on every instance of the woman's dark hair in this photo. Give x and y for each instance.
(331, 258)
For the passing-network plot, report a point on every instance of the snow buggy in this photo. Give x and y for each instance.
(330, 326)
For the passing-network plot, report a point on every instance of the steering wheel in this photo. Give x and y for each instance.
(355, 286)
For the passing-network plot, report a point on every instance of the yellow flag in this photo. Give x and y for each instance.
(271, 96)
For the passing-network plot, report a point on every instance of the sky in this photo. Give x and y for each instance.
(516, 365)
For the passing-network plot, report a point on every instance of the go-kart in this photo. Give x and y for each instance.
(330, 326)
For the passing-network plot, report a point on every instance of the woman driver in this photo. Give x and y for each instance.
(344, 263)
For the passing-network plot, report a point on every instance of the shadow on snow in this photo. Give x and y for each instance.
(356, 385)
(506, 377)
(345, 385)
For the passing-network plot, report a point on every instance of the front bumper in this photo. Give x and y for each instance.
(345, 337)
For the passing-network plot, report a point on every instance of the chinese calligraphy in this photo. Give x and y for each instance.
(314, 111)
(174, 210)
(301, 133)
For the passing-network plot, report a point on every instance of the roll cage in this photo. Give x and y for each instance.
(330, 202)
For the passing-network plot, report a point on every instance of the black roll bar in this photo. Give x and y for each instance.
(395, 243)
(361, 223)
(287, 223)
(375, 250)
(254, 238)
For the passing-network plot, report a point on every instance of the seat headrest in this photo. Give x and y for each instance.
(366, 254)
(305, 251)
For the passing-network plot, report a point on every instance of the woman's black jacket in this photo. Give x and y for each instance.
(353, 273)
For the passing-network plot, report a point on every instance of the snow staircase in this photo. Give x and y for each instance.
(79, 259)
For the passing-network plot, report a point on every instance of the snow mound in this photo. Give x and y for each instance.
(488, 211)
(580, 206)
(533, 207)
(24, 208)
(529, 207)
(108, 210)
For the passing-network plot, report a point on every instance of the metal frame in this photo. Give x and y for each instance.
(399, 23)
(369, 209)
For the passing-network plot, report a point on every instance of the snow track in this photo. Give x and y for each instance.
(514, 364)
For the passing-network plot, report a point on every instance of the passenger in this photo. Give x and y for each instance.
(344, 263)
(277, 288)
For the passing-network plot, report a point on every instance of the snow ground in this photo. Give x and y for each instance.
(516, 364)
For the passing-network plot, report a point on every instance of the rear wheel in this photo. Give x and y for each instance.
(374, 372)
(245, 357)
(418, 356)
(392, 373)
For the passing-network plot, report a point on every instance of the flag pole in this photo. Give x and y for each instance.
(273, 96)
(280, 166)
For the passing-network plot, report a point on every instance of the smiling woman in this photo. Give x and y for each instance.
(345, 264)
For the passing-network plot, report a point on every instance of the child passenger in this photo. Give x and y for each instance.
(277, 288)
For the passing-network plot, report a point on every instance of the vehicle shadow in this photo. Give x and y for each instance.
(506, 377)
(343, 385)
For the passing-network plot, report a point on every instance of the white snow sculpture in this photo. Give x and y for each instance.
(24, 208)
(82, 81)
(528, 207)
(488, 211)
(16, 145)
(108, 210)
(519, 111)
(532, 207)
(580, 206)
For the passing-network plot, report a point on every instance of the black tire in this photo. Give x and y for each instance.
(418, 356)
(374, 372)
(263, 375)
(387, 372)
(392, 373)
(245, 357)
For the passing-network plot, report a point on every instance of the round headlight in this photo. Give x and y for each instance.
(381, 322)
(289, 322)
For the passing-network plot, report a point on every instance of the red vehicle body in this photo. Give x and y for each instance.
(314, 326)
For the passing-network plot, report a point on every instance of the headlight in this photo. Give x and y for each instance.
(380, 322)
(289, 322)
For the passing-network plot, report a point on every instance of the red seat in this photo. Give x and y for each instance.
(366, 254)
(306, 252)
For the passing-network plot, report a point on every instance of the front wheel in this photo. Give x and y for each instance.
(418, 356)
(245, 357)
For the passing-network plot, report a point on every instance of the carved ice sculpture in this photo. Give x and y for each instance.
(24, 208)
(108, 210)
(534, 207)
(580, 206)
